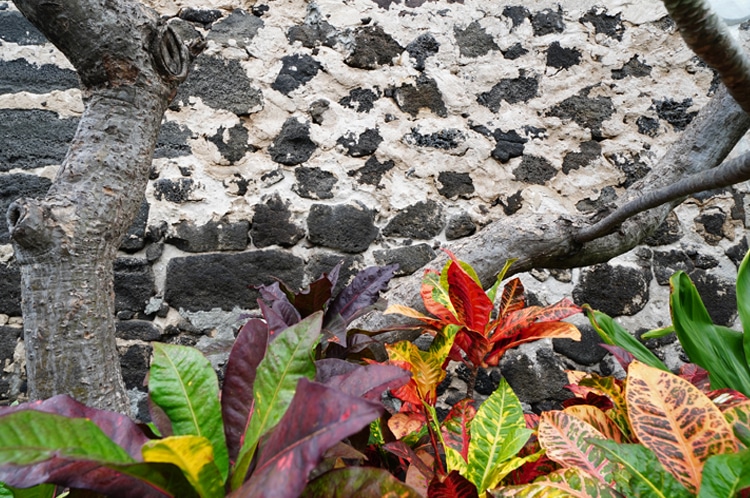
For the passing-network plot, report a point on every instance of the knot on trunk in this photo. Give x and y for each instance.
(171, 56)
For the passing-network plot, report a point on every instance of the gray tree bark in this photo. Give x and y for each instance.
(129, 63)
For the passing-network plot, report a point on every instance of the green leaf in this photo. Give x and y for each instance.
(184, 385)
(40, 491)
(743, 301)
(614, 334)
(564, 483)
(643, 475)
(658, 333)
(28, 437)
(717, 349)
(290, 359)
(725, 475)
(498, 432)
(194, 455)
(492, 292)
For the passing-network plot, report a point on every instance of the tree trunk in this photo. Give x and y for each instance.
(129, 64)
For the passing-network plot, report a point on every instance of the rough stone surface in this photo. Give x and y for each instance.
(474, 41)
(134, 362)
(614, 290)
(675, 113)
(548, 21)
(33, 138)
(207, 281)
(219, 235)
(314, 32)
(296, 70)
(423, 47)
(360, 99)
(238, 28)
(447, 139)
(423, 94)
(140, 330)
(409, 258)
(272, 226)
(561, 57)
(423, 220)
(19, 74)
(455, 184)
(324, 262)
(202, 16)
(460, 226)
(10, 289)
(586, 351)
(669, 232)
(234, 146)
(135, 237)
(134, 284)
(535, 170)
(590, 151)
(372, 48)
(718, 295)
(510, 90)
(634, 67)
(172, 141)
(177, 191)
(537, 378)
(585, 111)
(364, 144)
(509, 145)
(234, 91)
(292, 145)
(14, 28)
(610, 25)
(373, 170)
(348, 228)
(314, 183)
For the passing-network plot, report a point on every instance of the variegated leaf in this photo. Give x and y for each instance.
(596, 419)
(565, 483)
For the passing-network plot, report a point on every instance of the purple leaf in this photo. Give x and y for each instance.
(370, 381)
(403, 450)
(120, 428)
(272, 292)
(314, 298)
(237, 392)
(331, 367)
(364, 291)
(362, 482)
(279, 316)
(159, 418)
(317, 419)
(623, 357)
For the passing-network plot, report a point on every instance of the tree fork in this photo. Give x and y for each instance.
(130, 63)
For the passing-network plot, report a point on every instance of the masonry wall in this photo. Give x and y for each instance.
(377, 131)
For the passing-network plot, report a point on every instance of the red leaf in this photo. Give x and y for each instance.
(472, 305)
(696, 375)
(457, 424)
(403, 450)
(237, 392)
(623, 357)
(316, 420)
(512, 298)
(453, 486)
(429, 281)
(314, 298)
(475, 345)
(532, 332)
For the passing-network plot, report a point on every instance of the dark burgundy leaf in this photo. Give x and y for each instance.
(314, 298)
(358, 482)
(453, 486)
(237, 391)
(120, 428)
(623, 357)
(362, 292)
(328, 368)
(370, 381)
(317, 419)
(403, 450)
(280, 316)
(274, 292)
(333, 275)
(696, 375)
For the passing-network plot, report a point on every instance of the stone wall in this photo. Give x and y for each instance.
(377, 131)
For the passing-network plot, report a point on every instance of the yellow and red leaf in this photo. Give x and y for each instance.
(512, 298)
(473, 307)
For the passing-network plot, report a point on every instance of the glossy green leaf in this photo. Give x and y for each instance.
(194, 455)
(642, 474)
(564, 483)
(498, 432)
(725, 475)
(286, 362)
(614, 334)
(40, 491)
(184, 385)
(362, 482)
(743, 302)
(738, 417)
(29, 436)
(717, 349)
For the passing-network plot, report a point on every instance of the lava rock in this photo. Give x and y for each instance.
(474, 41)
(221, 235)
(669, 232)
(517, 14)
(455, 184)
(423, 47)
(177, 191)
(33, 138)
(201, 16)
(647, 126)
(238, 29)
(674, 113)
(296, 71)
(586, 112)
(360, 99)
(511, 90)
(220, 84)
(634, 67)
(548, 21)
(590, 152)
(409, 258)
(226, 281)
(614, 290)
(631, 165)
(10, 289)
(134, 284)
(508, 145)
(314, 183)
(235, 148)
(8, 340)
(712, 225)
(424, 94)
(14, 186)
(372, 48)
(313, 33)
(446, 139)
(535, 170)
(536, 379)
(324, 262)
(514, 52)
(348, 228)
(137, 330)
(293, 145)
(20, 76)
(561, 57)
(272, 226)
(584, 352)
(737, 252)
(423, 220)
(364, 145)
(135, 237)
(14, 28)
(718, 295)
(460, 226)
(512, 204)
(134, 365)
(172, 141)
(604, 23)
(373, 170)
